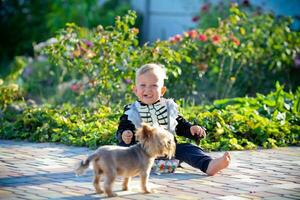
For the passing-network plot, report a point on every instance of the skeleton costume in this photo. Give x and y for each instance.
(163, 113)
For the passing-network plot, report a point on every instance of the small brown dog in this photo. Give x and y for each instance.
(138, 159)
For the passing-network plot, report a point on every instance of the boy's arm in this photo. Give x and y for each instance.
(183, 128)
(124, 125)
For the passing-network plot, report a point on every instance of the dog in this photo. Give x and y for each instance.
(112, 161)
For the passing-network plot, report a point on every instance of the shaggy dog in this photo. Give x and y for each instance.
(113, 161)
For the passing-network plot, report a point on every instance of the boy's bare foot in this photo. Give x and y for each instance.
(218, 164)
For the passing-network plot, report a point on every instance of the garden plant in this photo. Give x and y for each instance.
(91, 72)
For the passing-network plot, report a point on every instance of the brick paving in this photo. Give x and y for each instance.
(44, 171)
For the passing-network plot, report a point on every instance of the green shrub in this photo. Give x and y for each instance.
(66, 124)
(9, 93)
(232, 124)
(243, 54)
(107, 58)
(245, 123)
(22, 22)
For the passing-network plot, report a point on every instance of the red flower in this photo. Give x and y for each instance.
(195, 18)
(192, 34)
(176, 38)
(235, 40)
(216, 39)
(202, 37)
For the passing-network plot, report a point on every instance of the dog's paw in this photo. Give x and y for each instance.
(149, 190)
(99, 191)
(113, 194)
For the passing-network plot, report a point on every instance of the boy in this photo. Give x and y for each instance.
(152, 108)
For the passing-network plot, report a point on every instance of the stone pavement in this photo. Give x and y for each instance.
(44, 171)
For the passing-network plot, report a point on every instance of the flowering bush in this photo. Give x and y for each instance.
(98, 66)
(103, 60)
(241, 55)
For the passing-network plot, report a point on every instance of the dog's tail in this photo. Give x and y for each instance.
(83, 165)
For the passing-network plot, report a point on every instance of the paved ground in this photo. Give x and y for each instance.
(44, 171)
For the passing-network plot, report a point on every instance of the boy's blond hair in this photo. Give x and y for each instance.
(157, 69)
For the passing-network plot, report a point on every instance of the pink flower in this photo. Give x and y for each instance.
(192, 34)
(74, 87)
(216, 39)
(88, 43)
(202, 37)
(77, 87)
(176, 38)
(128, 81)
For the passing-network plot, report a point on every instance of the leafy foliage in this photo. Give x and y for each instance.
(232, 124)
(93, 71)
(241, 55)
(66, 124)
(22, 22)
(245, 123)
(9, 94)
(107, 57)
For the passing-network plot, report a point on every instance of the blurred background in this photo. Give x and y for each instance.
(164, 18)
(67, 67)
(27, 25)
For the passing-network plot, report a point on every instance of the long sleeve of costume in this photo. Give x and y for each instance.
(183, 128)
(125, 124)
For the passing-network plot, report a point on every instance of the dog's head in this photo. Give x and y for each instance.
(156, 141)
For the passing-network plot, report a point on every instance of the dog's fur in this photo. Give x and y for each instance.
(138, 159)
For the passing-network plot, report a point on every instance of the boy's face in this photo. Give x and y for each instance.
(149, 88)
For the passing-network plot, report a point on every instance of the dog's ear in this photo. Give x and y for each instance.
(146, 131)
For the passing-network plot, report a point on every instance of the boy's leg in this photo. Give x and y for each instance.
(192, 155)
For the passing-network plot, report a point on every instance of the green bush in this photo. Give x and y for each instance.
(66, 124)
(107, 58)
(232, 124)
(10, 93)
(241, 55)
(238, 57)
(23, 23)
(96, 67)
(245, 123)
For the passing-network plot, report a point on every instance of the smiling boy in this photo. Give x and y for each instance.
(152, 108)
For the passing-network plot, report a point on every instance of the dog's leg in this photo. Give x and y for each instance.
(144, 182)
(125, 183)
(109, 180)
(96, 183)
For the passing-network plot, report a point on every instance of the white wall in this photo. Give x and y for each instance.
(165, 18)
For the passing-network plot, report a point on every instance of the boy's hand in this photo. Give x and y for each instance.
(197, 131)
(127, 136)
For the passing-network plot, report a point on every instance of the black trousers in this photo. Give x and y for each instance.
(192, 155)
